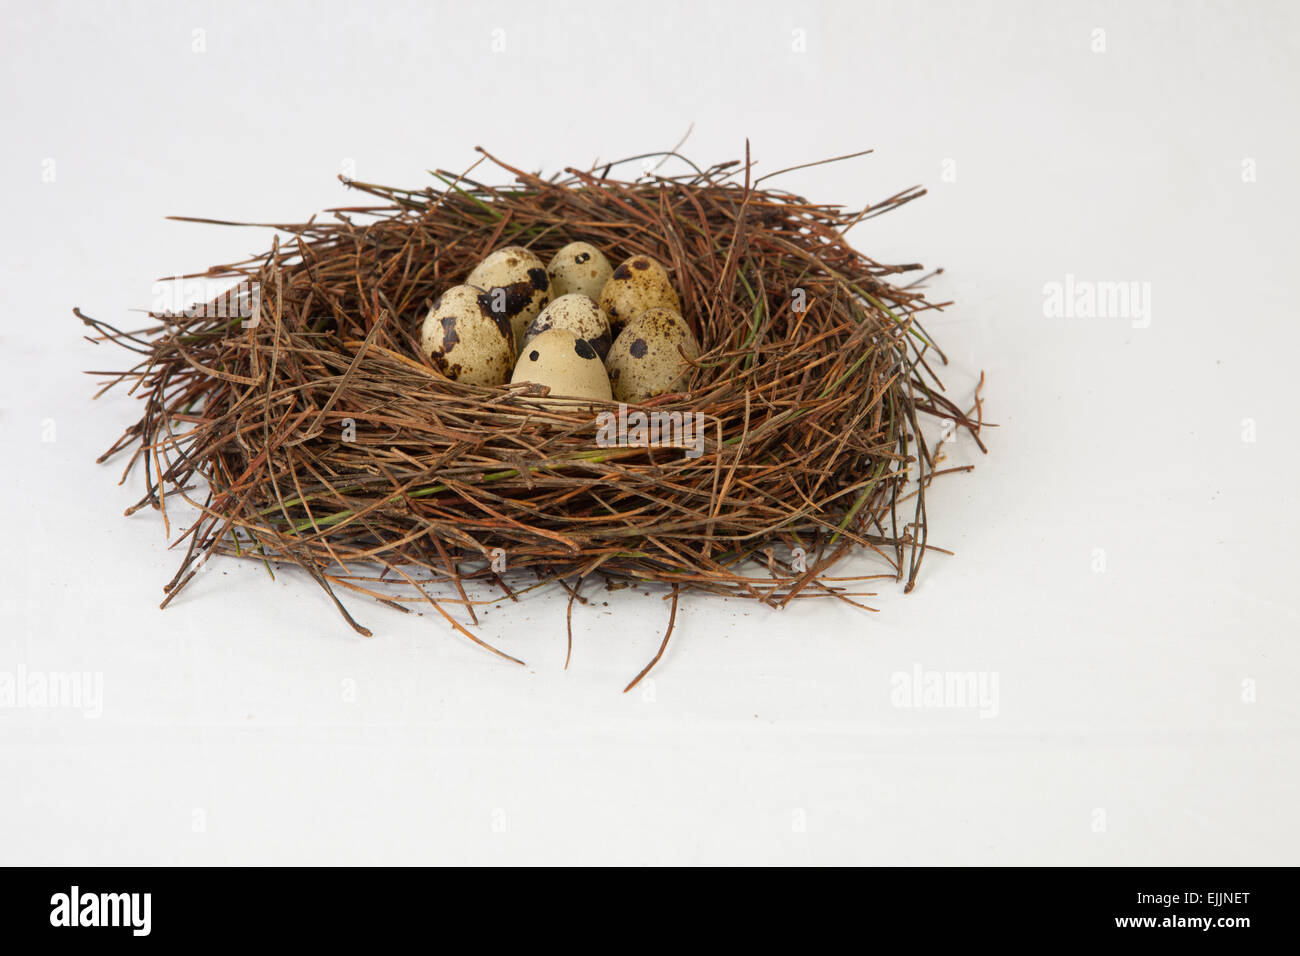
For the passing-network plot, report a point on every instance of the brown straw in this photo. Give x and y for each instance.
(317, 434)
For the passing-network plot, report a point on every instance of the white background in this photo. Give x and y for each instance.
(1126, 558)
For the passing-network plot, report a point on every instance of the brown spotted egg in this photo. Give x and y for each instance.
(465, 341)
(575, 313)
(579, 267)
(646, 358)
(516, 284)
(566, 364)
(639, 283)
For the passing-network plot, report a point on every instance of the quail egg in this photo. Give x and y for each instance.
(645, 359)
(579, 267)
(465, 341)
(578, 314)
(568, 365)
(639, 283)
(516, 284)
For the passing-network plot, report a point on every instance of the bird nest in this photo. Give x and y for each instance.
(299, 416)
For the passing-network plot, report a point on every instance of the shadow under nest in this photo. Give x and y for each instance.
(315, 432)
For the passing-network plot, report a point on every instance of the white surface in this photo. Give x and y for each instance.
(1121, 733)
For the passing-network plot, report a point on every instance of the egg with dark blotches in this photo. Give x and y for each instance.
(574, 313)
(516, 284)
(638, 284)
(647, 357)
(579, 267)
(465, 341)
(566, 364)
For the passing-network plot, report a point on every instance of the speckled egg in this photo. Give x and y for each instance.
(465, 341)
(574, 313)
(579, 267)
(516, 283)
(568, 365)
(644, 360)
(639, 283)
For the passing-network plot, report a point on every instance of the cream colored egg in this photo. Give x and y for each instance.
(517, 286)
(579, 267)
(639, 283)
(566, 364)
(574, 313)
(465, 341)
(645, 359)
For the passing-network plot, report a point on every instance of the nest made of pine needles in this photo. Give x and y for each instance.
(317, 434)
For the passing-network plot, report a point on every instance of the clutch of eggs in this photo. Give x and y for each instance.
(576, 326)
